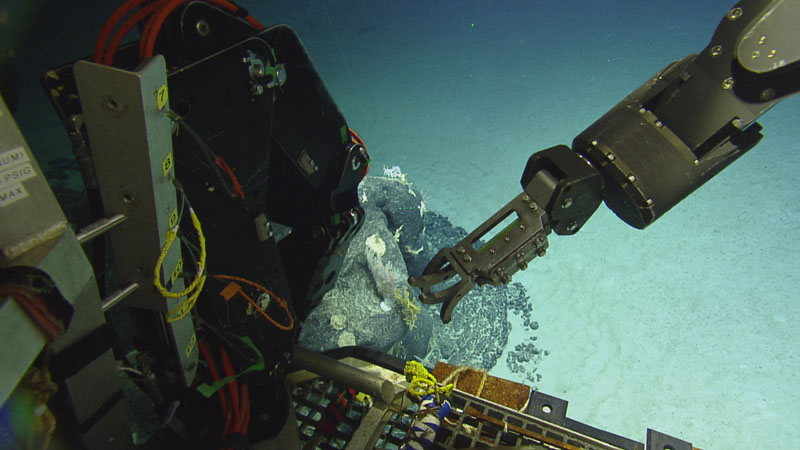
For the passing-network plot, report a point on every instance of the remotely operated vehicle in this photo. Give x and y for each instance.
(199, 141)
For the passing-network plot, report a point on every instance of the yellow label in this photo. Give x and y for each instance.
(190, 347)
(167, 164)
(162, 96)
(173, 218)
(176, 272)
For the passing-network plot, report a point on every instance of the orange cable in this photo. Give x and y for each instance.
(281, 302)
(225, 168)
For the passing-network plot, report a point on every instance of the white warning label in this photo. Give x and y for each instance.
(14, 175)
(13, 157)
(10, 194)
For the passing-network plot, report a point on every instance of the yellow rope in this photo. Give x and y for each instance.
(196, 286)
(422, 382)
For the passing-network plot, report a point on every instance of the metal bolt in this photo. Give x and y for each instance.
(767, 94)
(533, 206)
(611, 157)
(522, 265)
(762, 40)
(492, 251)
(467, 258)
(772, 53)
(460, 249)
(522, 226)
(727, 83)
(632, 178)
(649, 202)
(716, 50)
(756, 54)
(572, 226)
(202, 28)
(525, 198)
(594, 142)
(566, 203)
(257, 89)
(735, 13)
(642, 110)
(541, 252)
(507, 239)
(659, 124)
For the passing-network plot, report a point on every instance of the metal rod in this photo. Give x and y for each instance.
(381, 390)
(95, 229)
(118, 296)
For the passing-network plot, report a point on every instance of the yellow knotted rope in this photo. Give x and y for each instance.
(196, 286)
(422, 382)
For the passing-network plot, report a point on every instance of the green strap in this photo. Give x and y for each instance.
(207, 390)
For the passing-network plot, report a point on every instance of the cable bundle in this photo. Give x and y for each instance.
(234, 401)
(153, 14)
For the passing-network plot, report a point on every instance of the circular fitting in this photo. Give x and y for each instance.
(356, 162)
(735, 13)
(202, 28)
(728, 83)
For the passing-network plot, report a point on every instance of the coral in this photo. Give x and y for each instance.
(409, 309)
(397, 233)
(346, 339)
(338, 321)
(376, 244)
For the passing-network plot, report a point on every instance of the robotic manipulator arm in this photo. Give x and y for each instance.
(668, 137)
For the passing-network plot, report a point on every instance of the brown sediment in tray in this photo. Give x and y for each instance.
(498, 390)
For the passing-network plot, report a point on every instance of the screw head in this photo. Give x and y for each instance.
(728, 83)
(735, 13)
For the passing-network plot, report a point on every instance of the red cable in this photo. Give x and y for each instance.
(115, 17)
(228, 420)
(246, 415)
(233, 387)
(225, 168)
(153, 27)
(214, 374)
(130, 22)
(36, 309)
(245, 402)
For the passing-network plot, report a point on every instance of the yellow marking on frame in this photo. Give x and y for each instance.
(167, 164)
(190, 347)
(162, 96)
(176, 272)
(173, 218)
